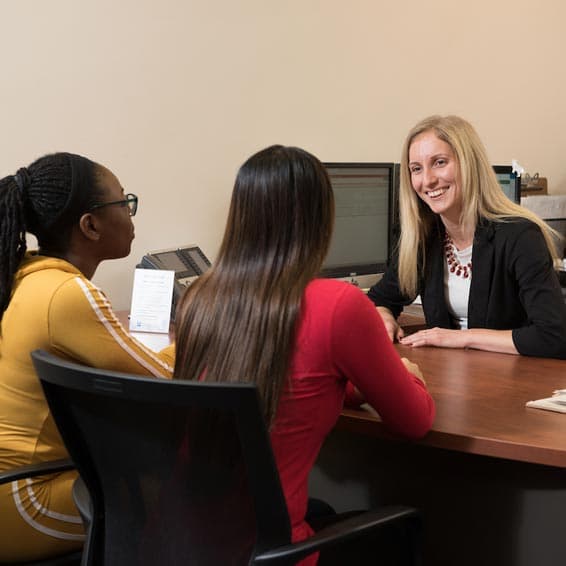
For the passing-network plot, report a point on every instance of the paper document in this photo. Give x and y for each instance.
(153, 340)
(151, 300)
(555, 403)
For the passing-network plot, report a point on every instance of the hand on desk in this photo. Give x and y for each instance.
(477, 338)
(441, 337)
(414, 369)
(394, 331)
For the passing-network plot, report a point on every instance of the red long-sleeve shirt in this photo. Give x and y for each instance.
(340, 338)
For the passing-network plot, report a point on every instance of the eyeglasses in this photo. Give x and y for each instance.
(131, 201)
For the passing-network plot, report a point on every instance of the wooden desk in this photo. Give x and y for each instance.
(480, 405)
(480, 402)
(489, 477)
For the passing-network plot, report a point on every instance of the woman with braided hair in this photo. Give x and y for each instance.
(80, 216)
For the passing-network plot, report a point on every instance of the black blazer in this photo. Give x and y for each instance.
(514, 287)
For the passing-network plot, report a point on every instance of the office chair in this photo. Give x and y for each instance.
(31, 471)
(179, 472)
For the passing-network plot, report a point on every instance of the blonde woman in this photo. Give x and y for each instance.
(482, 264)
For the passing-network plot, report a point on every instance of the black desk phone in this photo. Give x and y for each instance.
(187, 262)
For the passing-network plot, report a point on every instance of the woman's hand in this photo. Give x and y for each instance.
(394, 331)
(414, 369)
(477, 338)
(440, 337)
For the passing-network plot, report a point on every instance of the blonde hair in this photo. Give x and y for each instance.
(482, 196)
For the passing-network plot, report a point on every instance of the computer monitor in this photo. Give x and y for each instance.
(509, 181)
(361, 240)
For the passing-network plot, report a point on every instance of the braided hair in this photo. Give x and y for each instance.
(45, 199)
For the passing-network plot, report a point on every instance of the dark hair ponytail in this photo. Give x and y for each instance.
(12, 235)
(45, 199)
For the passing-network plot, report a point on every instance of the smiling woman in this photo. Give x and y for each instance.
(79, 213)
(435, 177)
(482, 264)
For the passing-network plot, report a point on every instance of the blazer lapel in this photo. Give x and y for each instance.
(438, 314)
(483, 255)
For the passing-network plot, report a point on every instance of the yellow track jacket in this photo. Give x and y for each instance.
(54, 307)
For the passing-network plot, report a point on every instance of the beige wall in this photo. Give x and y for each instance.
(174, 95)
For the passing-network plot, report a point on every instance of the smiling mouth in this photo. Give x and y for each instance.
(436, 193)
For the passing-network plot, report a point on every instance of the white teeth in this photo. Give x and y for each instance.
(436, 193)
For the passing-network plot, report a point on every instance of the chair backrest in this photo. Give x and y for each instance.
(179, 472)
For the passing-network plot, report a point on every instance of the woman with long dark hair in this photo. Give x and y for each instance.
(260, 315)
(80, 215)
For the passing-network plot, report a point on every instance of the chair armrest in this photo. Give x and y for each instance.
(33, 470)
(81, 497)
(342, 531)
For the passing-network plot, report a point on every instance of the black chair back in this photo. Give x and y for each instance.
(178, 472)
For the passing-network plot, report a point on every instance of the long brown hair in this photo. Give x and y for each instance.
(237, 322)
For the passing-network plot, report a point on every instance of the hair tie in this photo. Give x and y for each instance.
(23, 179)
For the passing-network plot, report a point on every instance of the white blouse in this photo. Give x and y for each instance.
(457, 288)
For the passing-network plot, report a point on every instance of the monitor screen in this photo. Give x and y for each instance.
(509, 181)
(361, 240)
(172, 261)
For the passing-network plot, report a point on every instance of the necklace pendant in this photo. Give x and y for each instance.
(452, 260)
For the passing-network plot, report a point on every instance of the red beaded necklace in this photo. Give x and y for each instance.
(454, 264)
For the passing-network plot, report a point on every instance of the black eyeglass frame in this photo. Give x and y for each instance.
(131, 201)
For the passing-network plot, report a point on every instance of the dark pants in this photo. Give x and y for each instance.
(392, 545)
